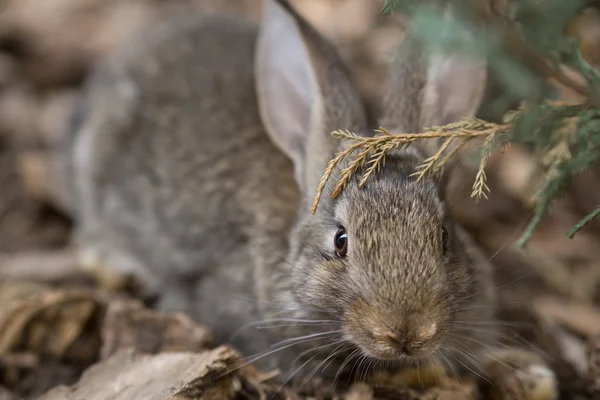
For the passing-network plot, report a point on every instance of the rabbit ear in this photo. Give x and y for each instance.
(430, 87)
(289, 97)
(454, 88)
(454, 84)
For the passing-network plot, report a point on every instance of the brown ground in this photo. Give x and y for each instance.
(52, 328)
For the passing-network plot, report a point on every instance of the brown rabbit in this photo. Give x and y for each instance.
(197, 153)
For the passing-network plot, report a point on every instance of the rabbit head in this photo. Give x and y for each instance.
(385, 261)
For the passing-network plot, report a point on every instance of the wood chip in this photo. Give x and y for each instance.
(128, 375)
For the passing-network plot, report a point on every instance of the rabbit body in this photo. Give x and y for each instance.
(196, 154)
(183, 201)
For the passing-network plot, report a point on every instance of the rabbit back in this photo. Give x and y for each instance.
(177, 179)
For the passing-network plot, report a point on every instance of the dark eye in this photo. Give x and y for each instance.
(341, 243)
(445, 239)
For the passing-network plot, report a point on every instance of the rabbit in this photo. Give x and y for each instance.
(196, 153)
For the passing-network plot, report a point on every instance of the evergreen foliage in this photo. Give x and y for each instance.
(529, 50)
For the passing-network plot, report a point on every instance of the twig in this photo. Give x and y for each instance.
(586, 220)
(426, 168)
(374, 149)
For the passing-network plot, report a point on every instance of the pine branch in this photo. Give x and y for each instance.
(376, 148)
(431, 164)
(586, 220)
(524, 40)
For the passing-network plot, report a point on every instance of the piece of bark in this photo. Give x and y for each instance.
(128, 375)
(129, 324)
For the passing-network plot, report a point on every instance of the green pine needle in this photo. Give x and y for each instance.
(586, 220)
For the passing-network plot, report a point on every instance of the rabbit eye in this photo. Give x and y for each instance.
(341, 243)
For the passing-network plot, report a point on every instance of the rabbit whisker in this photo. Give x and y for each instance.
(492, 306)
(349, 358)
(450, 365)
(470, 369)
(361, 369)
(333, 354)
(497, 287)
(298, 322)
(235, 333)
(490, 353)
(507, 324)
(514, 339)
(259, 356)
(369, 362)
(370, 366)
(509, 240)
(312, 335)
(303, 365)
(468, 355)
(280, 257)
(279, 347)
(338, 350)
(356, 367)
(293, 363)
(284, 307)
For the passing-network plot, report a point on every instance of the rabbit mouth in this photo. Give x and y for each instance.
(390, 353)
(390, 348)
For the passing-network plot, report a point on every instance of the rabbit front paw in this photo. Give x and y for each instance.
(519, 374)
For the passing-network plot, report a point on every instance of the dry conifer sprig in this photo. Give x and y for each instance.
(371, 152)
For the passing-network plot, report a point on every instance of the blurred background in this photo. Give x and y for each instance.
(550, 292)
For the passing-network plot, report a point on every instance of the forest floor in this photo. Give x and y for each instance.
(64, 335)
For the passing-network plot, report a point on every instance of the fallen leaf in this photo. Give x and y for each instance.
(129, 324)
(128, 375)
(47, 322)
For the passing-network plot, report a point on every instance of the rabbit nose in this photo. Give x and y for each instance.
(404, 340)
(398, 340)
